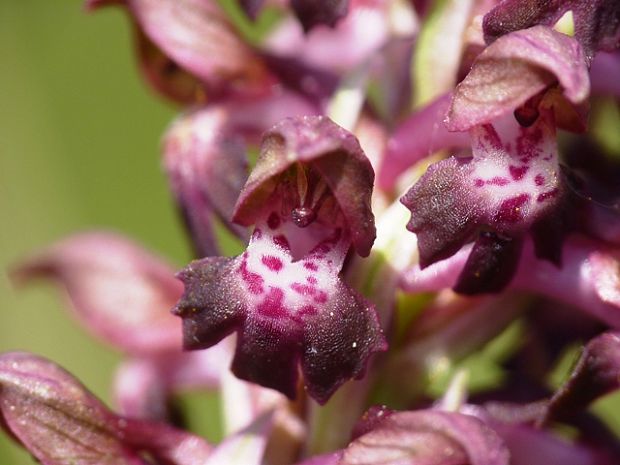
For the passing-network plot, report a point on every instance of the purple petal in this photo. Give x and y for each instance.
(529, 446)
(285, 310)
(588, 278)
(605, 68)
(337, 157)
(370, 420)
(512, 182)
(338, 343)
(359, 35)
(54, 417)
(490, 266)
(60, 422)
(515, 68)
(597, 23)
(427, 437)
(196, 36)
(119, 291)
(311, 13)
(418, 137)
(198, 148)
(597, 373)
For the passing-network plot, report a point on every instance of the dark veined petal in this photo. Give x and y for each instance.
(59, 421)
(516, 68)
(597, 23)
(511, 182)
(427, 437)
(121, 292)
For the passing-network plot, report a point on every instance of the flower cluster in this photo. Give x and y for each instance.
(341, 335)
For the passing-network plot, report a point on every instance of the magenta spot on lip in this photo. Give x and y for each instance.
(320, 297)
(282, 242)
(539, 179)
(311, 279)
(272, 304)
(257, 234)
(510, 209)
(253, 280)
(311, 266)
(478, 182)
(321, 249)
(308, 310)
(303, 289)
(547, 195)
(517, 172)
(271, 262)
(528, 142)
(273, 221)
(498, 181)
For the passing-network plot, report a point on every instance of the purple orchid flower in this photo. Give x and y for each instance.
(309, 199)
(513, 183)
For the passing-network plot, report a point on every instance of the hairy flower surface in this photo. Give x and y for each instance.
(309, 199)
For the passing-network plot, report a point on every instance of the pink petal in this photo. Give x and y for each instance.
(119, 291)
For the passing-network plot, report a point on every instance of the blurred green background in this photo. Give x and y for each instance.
(79, 150)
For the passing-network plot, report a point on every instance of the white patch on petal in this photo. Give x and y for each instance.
(515, 170)
(278, 281)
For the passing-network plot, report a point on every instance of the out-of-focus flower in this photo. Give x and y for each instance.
(123, 294)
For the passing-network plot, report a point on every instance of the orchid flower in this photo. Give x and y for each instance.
(309, 199)
(353, 296)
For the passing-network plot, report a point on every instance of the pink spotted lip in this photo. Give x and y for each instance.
(512, 186)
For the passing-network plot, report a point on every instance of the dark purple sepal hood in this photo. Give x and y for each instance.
(518, 67)
(337, 157)
(597, 23)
